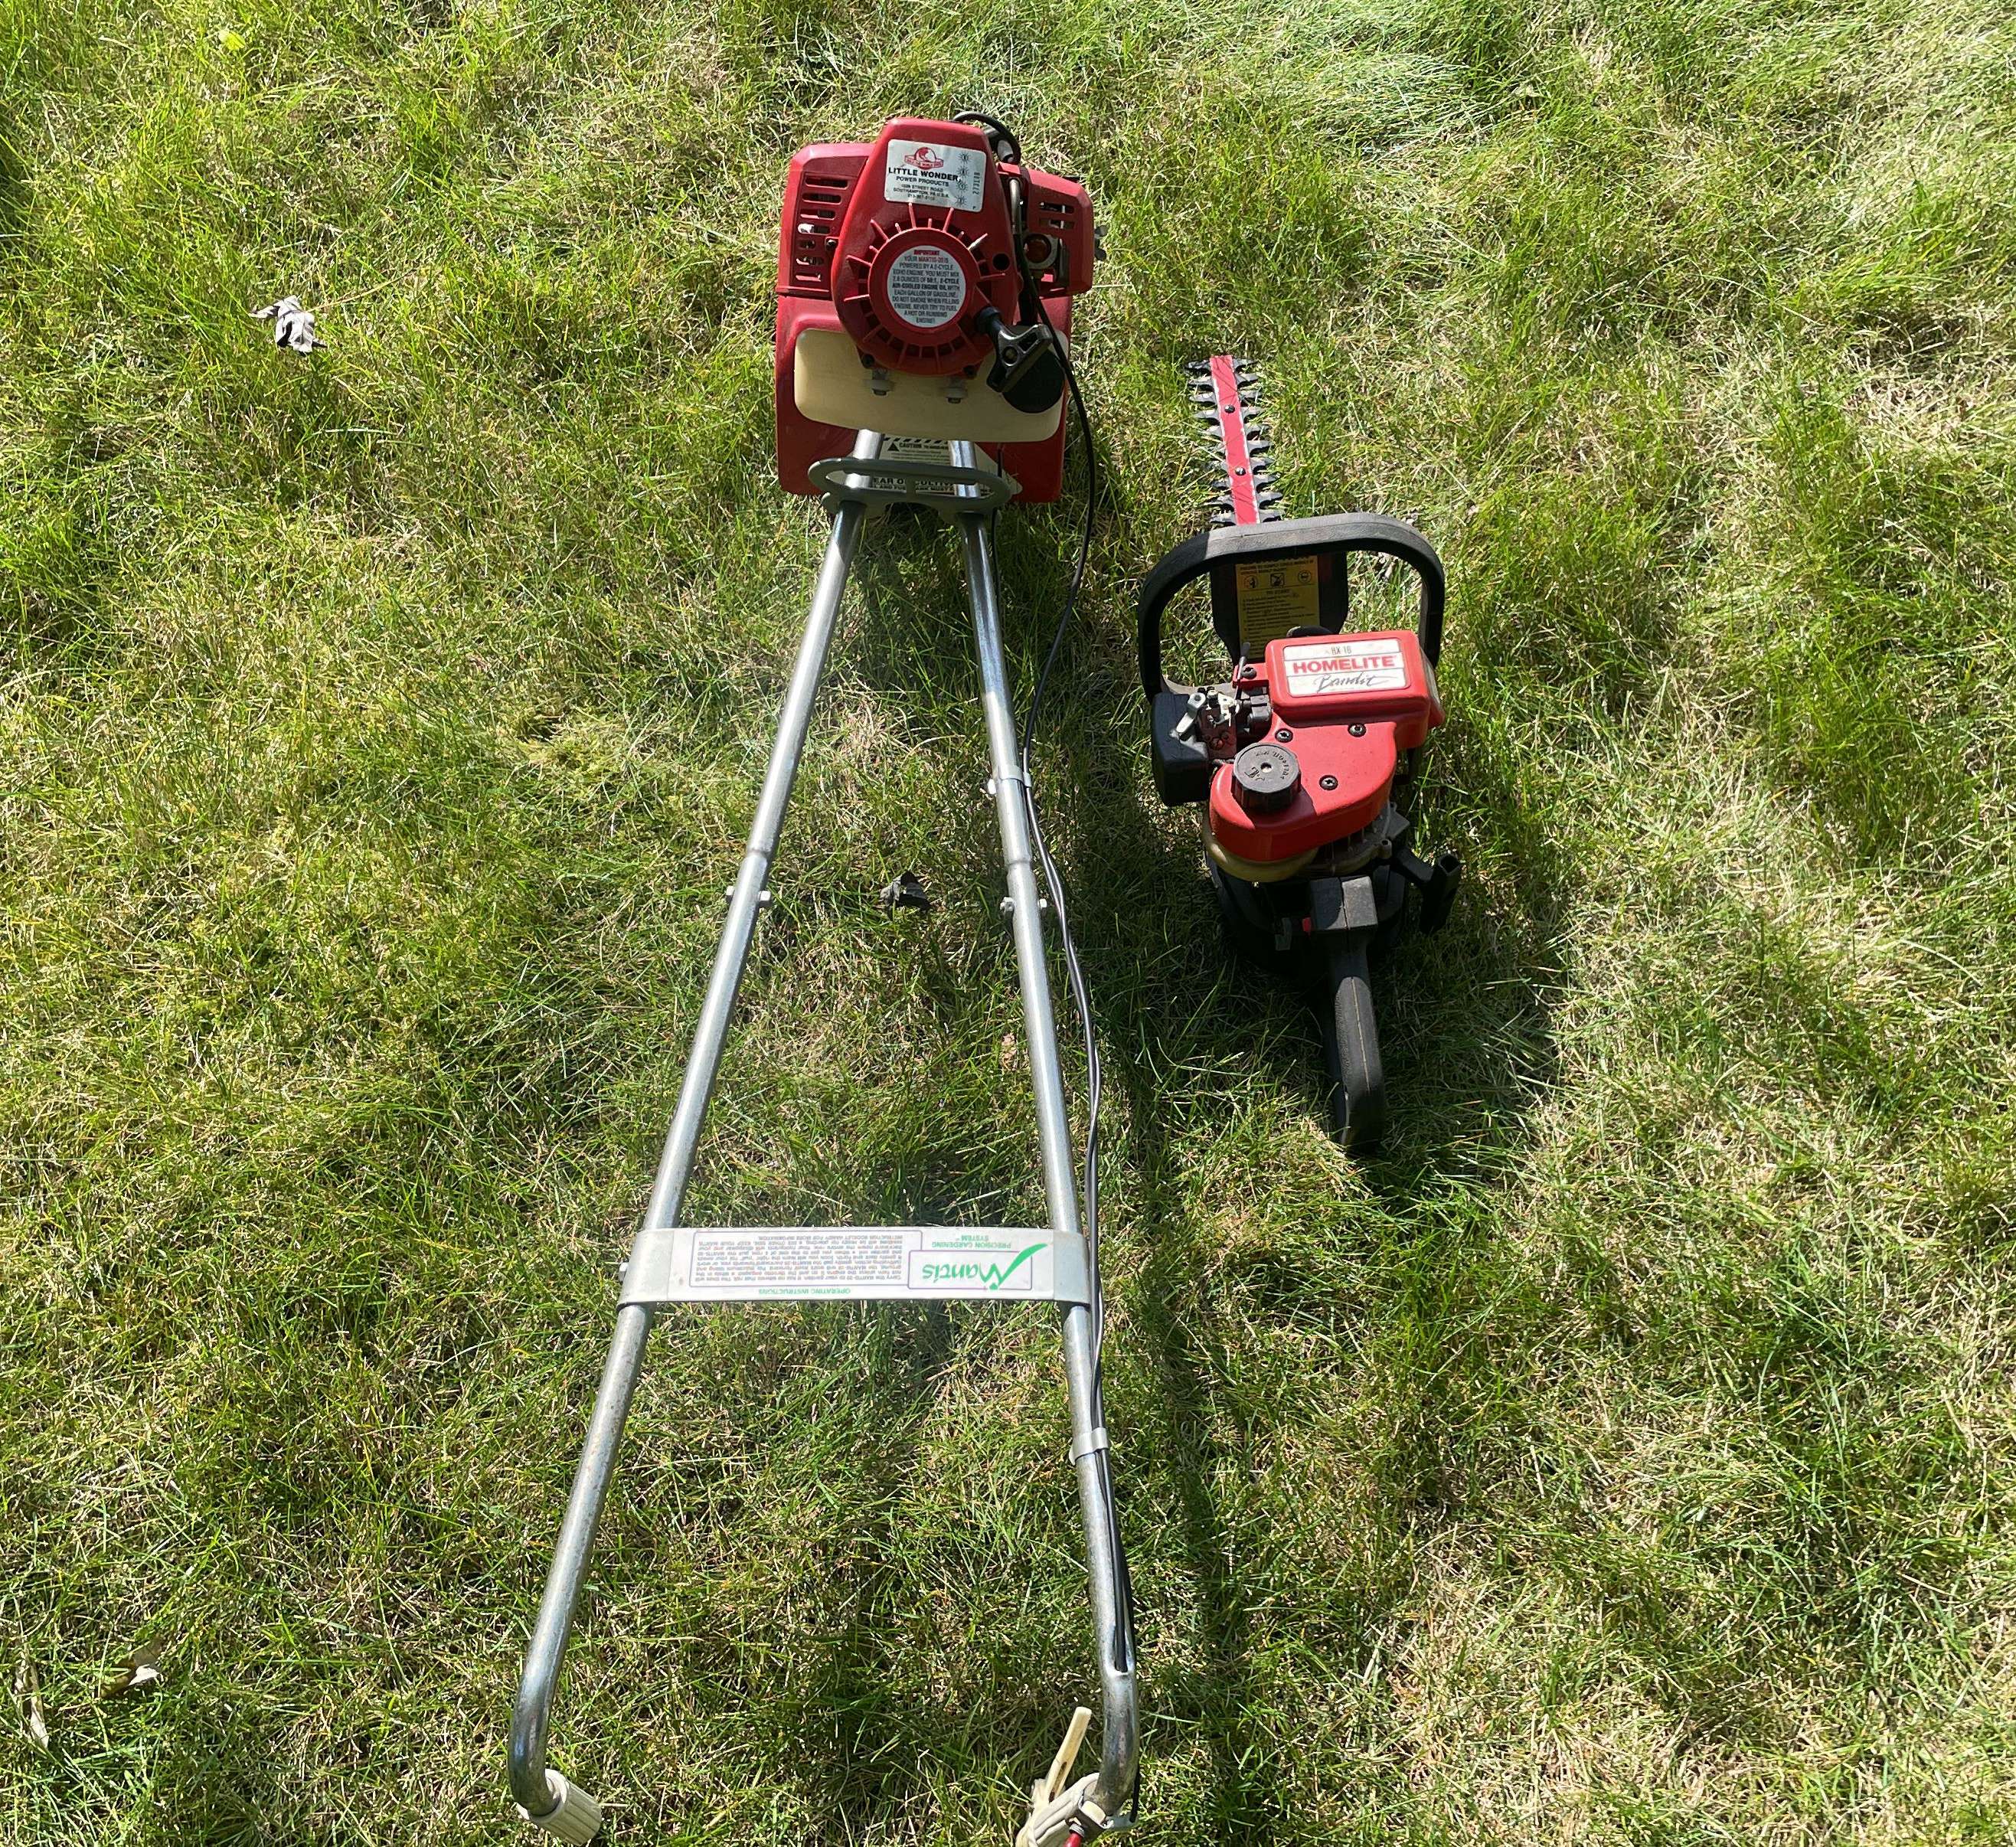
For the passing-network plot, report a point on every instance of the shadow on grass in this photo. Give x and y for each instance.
(1483, 988)
(1470, 1050)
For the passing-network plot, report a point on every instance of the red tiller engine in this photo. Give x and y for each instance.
(923, 283)
(1301, 756)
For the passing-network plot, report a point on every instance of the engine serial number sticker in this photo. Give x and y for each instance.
(1275, 598)
(1350, 666)
(930, 173)
(926, 286)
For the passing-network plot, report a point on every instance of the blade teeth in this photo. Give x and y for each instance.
(1210, 409)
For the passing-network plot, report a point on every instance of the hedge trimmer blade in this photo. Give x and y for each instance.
(1225, 393)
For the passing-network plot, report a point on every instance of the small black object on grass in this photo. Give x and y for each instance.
(906, 892)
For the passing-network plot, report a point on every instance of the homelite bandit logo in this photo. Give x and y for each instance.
(949, 1270)
(1342, 666)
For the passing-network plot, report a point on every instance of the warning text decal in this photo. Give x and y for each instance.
(1275, 597)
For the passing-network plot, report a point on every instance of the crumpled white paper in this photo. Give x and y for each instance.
(294, 325)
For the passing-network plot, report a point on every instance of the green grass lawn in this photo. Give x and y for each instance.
(1626, 1456)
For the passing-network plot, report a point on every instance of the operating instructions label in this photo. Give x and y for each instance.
(855, 1263)
(926, 286)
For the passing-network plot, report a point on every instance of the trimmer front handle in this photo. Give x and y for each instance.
(1227, 548)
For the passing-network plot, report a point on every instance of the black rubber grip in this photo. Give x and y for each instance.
(1351, 1046)
(1333, 534)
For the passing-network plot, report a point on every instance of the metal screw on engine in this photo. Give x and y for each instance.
(1284, 736)
(1329, 782)
(1358, 731)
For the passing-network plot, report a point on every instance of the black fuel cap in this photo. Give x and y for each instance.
(1266, 777)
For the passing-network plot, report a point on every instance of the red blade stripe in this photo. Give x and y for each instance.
(1232, 427)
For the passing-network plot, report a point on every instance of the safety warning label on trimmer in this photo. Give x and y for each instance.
(855, 1263)
(1353, 665)
(930, 173)
(1284, 594)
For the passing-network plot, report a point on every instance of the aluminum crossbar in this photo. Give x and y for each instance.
(670, 1263)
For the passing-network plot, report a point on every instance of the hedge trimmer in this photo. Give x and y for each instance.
(1301, 756)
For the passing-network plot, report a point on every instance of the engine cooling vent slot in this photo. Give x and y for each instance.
(821, 196)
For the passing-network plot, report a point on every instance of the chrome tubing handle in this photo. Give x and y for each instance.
(1120, 1726)
(545, 1798)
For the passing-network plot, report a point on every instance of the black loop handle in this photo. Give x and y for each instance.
(1333, 534)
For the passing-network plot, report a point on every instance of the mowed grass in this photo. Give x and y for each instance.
(1625, 1457)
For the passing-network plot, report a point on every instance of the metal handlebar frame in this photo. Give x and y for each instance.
(966, 494)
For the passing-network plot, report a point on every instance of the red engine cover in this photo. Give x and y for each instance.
(901, 243)
(925, 244)
(1346, 705)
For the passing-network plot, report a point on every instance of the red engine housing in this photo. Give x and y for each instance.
(1346, 706)
(901, 243)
